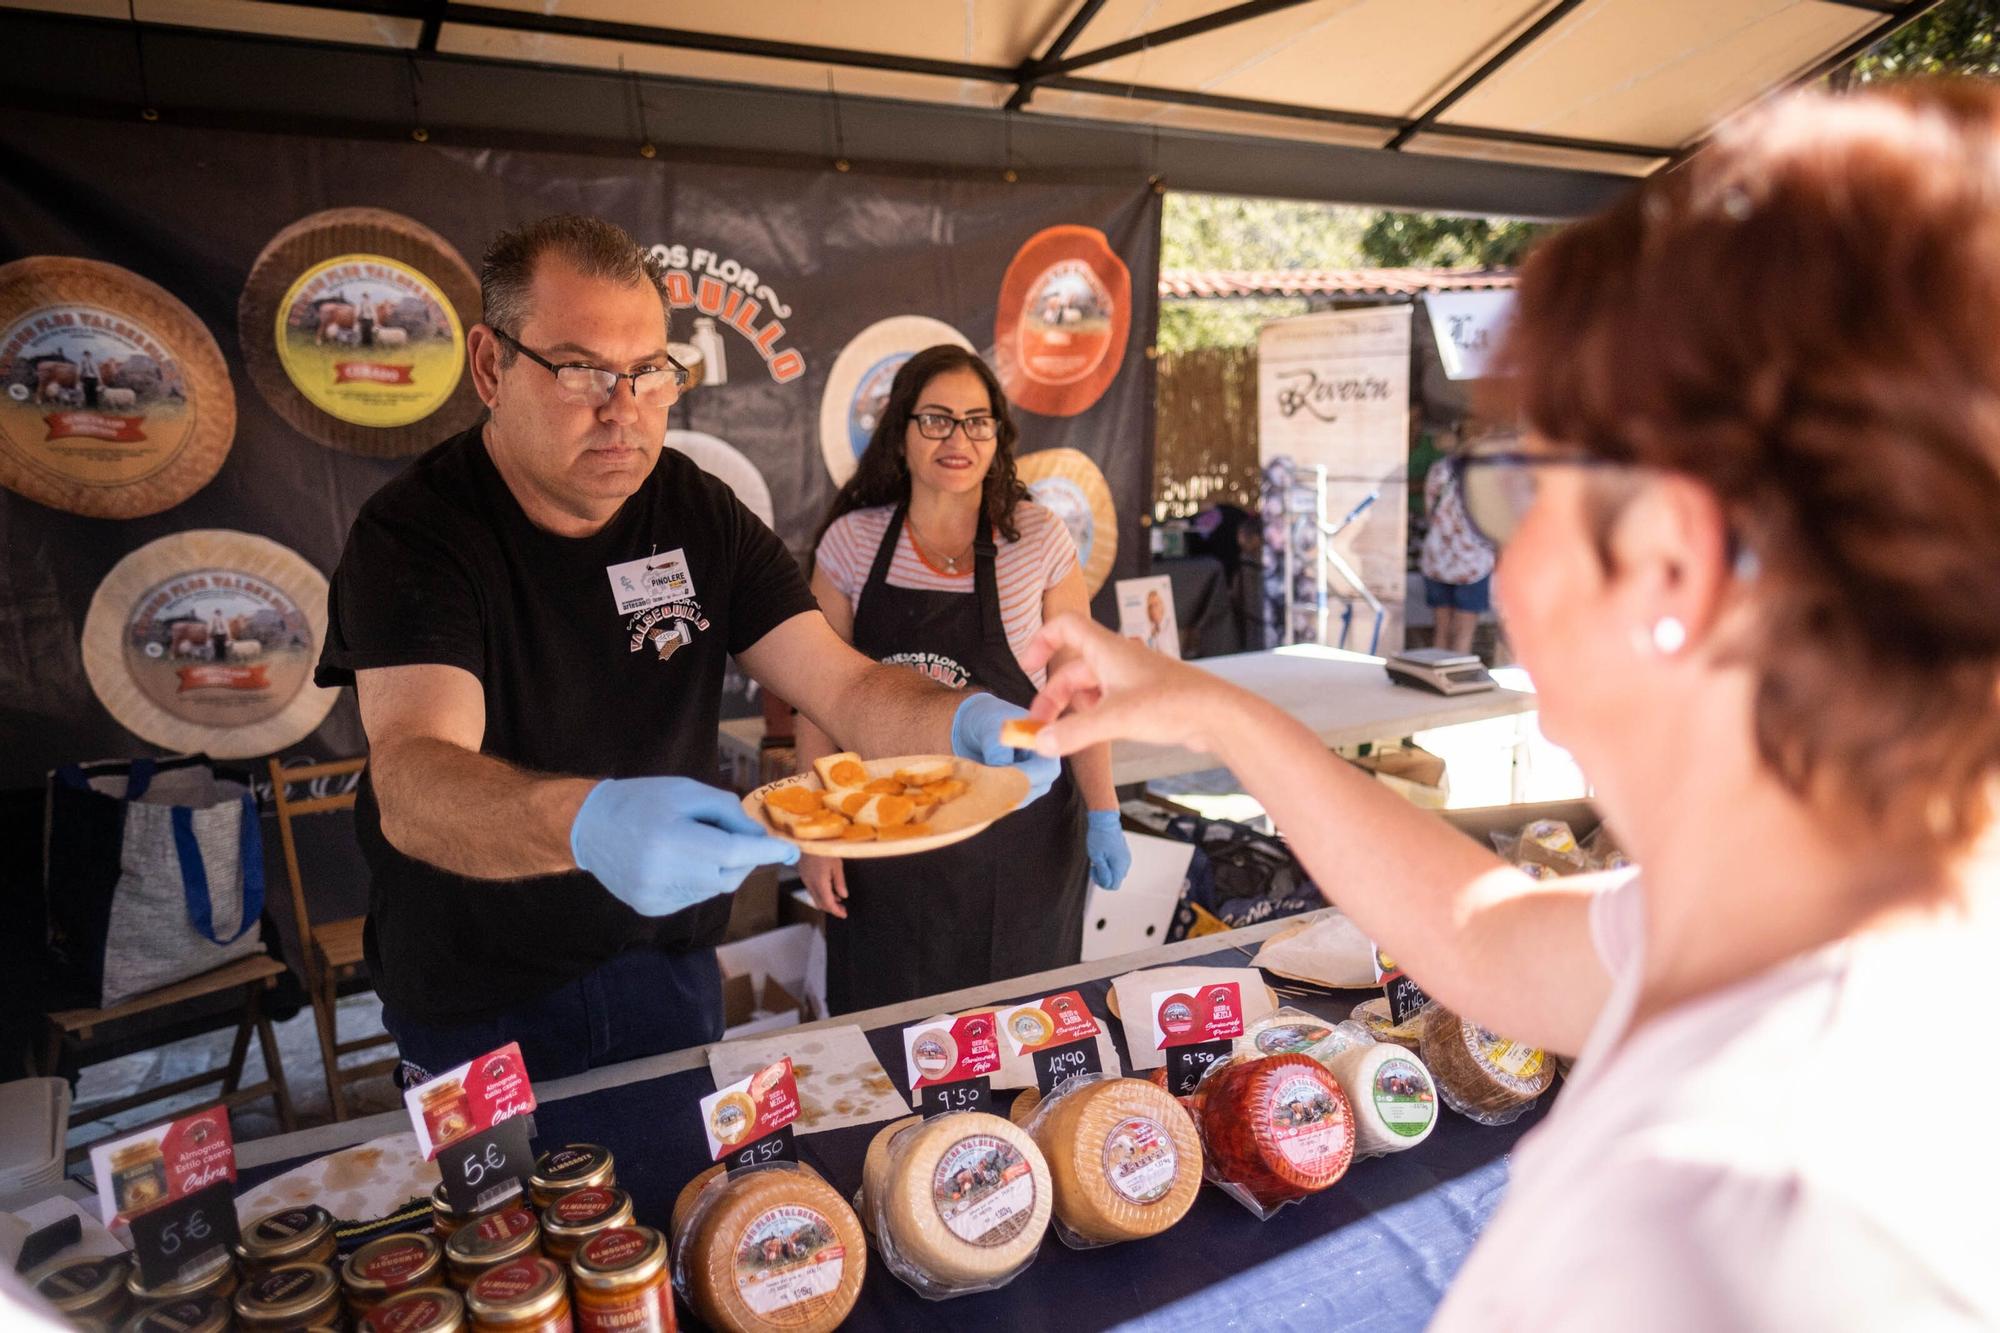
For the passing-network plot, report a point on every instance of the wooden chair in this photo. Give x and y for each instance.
(332, 949)
(253, 975)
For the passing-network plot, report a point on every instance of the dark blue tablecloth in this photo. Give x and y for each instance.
(1375, 1252)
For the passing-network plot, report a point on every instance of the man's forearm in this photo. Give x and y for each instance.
(472, 814)
(889, 710)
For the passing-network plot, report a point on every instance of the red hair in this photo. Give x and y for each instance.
(1806, 318)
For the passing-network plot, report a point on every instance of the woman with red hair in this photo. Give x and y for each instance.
(1750, 553)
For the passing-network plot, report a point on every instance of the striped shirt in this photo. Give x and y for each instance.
(1024, 569)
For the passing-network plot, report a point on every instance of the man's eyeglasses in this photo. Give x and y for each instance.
(1498, 489)
(592, 386)
(938, 426)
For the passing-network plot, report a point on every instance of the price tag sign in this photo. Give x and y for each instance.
(470, 1099)
(1196, 1029)
(487, 1168)
(749, 1122)
(1406, 998)
(183, 1237)
(155, 1167)
(951, 1063)
(1058, 1033)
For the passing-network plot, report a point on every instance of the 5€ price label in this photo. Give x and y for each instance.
(185, 1236)
(487, 1168)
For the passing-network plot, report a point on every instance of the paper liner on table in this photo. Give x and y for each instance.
(840, 1081)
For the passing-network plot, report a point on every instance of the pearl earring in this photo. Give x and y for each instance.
(1669, 635)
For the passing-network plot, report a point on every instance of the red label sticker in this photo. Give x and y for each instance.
(1189, 1018)
(94, 426)
(750, 1108)
(473, 1097)
(369, 372)
(224, 678)
(144, 1171)
(951, 1050)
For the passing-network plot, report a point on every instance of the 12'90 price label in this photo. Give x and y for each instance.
(1056, 1065)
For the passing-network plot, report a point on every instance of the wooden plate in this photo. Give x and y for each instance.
(990, 794)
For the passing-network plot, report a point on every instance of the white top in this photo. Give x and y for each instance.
(1803, 1150)
(1023, 570)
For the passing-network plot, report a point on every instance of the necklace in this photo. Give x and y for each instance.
(920, 541)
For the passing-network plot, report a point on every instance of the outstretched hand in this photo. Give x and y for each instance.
(1110, 688)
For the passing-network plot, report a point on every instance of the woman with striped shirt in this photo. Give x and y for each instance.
(933, 556)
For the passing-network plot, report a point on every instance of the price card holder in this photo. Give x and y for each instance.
(487, 1168)
(966, 1094)
(185, 1235)
(1055, 1064)
(1186, 1064)
(1406, 998)
(771, 1150)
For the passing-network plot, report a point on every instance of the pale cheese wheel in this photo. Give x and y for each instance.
(1392, 1095)
(875, 1167)
(1480, 1074)
(967, 1200)
(780, 1249)
(1124, 1157)
(1023, 1109)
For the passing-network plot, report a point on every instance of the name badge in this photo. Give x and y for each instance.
(653, 580)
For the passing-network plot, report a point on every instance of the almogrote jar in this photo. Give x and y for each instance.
(290, 1296)
(292, 1236)
(621, 1283)
(573, 1166)
(425, 1310)
(88, 1292)
(580, 1214)
(388, 1265)
(525, 1296)
(489, 1242)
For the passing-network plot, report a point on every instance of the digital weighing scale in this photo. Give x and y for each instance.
(1440, 671)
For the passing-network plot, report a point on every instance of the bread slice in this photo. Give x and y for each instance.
(1019, 732)
(824, 825)
(926, 771)
(841, 772)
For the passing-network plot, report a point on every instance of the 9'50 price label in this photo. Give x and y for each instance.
(781, 1145)
(1186, 1065)
(970, 1094)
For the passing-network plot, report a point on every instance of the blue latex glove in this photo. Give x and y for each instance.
(662, 844)
(975, 735)
(1110, 858)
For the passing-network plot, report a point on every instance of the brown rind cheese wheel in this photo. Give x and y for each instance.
(115, 401)
(1124, 1157)
(1480, 1074)
(352, 325)
(780, 1249)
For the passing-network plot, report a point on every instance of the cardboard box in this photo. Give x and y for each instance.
(1482, 822)
(763, 980)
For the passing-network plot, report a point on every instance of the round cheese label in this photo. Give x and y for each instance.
(1068, 484)
(1518, 1068)
(984, 1190)
(116, 399)
(1139, 1160)
(857, 387)
(206, 641)
(1308, 1125)
(787, 1261)
(1403, 1097)
(1062, 321)
(369, 340)
(1290, 1038)
(732, 1117)
(1030, 1026)
(352, 324)
(935, 1052)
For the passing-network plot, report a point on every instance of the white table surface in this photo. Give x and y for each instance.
(1344, 698)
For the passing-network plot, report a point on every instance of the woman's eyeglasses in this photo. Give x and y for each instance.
(1498, 489)
(592, 386)
(938, 426)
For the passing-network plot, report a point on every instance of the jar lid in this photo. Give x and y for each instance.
(494, 1239)
(571, 1166)
(620, 1257)
(518, 1289)
(289, 1293)
(276, 1237)
(204, 1314)
(391, 1263)
(426, 1310)
(217, 1277)
(82, 1284)
(580, 1212)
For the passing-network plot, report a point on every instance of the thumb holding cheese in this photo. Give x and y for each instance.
(1102, 687)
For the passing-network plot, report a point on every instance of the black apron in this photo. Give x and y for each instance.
(1002, 904)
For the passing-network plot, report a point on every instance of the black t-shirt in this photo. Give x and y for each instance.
(442, 566)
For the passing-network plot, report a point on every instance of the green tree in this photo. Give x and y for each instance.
(1212, 231)
(1958, 37)
(1429, 240)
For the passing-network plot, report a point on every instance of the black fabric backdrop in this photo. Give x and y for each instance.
(190, 209)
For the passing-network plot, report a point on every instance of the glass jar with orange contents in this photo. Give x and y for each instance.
(388, 1265)
(445, 1219)
(580, 1214)
(425, 1310)
(495, 1239)
(525, 1296)
(621, 1283)
(573, 1166)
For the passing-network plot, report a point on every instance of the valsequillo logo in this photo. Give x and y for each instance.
(722, 290)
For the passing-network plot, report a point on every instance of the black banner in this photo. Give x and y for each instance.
(783, 268)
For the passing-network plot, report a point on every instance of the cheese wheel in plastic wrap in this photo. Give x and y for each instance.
(684, 1202)
(1373, 1017)
(1391, 1094)
(965, 1204)
(1024, 1106)
(1124, 1156)
(777, 1248)
(1480, 1074)
(1278, 1129)
(875, 1168)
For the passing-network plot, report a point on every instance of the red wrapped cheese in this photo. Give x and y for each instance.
(1278, 1128)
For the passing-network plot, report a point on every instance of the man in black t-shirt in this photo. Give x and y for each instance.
(535, 617)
